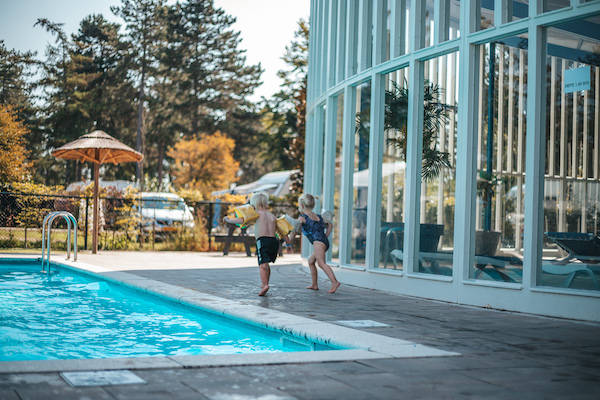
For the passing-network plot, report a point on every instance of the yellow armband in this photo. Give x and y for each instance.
(284, 226)
(247, 213)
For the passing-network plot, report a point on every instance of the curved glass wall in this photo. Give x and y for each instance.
(485, 189)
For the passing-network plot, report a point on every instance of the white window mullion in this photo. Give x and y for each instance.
(466, 158)
(535, 161)
(414, 141)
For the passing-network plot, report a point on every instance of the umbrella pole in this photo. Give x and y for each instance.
(95, 232)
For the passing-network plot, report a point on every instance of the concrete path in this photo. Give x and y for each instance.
(504, 355)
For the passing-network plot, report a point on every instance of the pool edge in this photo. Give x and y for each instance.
(364, 345)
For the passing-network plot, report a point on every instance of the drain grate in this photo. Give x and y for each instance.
(101, 378)
(361, 323)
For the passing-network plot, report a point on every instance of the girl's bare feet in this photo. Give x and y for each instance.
(313, 287)
(334, 287)
(264, 290)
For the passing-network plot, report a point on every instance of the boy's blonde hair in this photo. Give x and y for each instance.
(259, 200)
(307, 201)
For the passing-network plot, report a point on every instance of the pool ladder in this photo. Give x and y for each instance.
(71, 222)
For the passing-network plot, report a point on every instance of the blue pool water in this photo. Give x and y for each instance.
(72, 315)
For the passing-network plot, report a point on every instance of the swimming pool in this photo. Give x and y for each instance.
(70, 315)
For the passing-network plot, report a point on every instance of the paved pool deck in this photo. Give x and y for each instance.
(503, 355)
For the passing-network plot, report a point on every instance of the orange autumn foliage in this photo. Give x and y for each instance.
(204, 163)
(13, 154)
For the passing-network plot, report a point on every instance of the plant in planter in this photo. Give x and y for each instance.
(487, 241)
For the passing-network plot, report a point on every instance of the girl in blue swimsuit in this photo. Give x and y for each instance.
(316, 230)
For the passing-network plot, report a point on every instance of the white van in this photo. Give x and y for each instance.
(166, 210)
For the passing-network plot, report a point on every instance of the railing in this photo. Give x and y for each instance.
(126, 223)
(47, 228)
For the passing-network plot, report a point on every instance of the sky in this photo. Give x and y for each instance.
(266, 27)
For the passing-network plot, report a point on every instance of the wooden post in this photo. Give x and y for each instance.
(95, 232)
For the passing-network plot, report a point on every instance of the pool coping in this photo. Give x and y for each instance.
(363, 345)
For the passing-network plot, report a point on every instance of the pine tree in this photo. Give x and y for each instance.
(144, 24)
(100, 66)
(64, 119)
(284, 116)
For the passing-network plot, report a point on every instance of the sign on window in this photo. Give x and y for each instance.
(577, 79)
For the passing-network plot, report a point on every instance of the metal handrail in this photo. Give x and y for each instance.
(48, 219)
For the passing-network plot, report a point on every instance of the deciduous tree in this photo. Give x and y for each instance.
(204, 163)
(13, 155)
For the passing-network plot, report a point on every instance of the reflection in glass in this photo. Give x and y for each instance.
(429, 23)
(364, 57)
(571, 255)
(451, 23)
(402, 18)
(337, 182)
(519, 10)
(501, 161)
(393, 169)
(486, 14)
(360, 181)
(550, 5)
(436, 237)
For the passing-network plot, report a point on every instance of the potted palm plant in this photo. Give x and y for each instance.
(486, 240)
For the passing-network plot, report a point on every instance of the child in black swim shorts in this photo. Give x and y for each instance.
(267, 245)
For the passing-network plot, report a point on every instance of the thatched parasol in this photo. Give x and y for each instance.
(98, 148)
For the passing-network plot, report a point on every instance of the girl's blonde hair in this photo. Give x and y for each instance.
(307, 201)
(259, 200)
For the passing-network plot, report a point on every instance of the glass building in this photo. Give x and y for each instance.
(458, 144)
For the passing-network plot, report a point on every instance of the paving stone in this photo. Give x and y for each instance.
(255, 391)
(174, 389)
(44, 392)
(8, 394)
(504, 355)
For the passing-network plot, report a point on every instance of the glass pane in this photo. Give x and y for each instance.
(454, 23)
(550, 5)
(571, 256)
(393, 169)
(450, 16)
(337, 182)
(399, 45)
(360, 181)
(487, 14)
(365, 20)
(520, 9)
(429, 24)
(501, 161)
(436, 240)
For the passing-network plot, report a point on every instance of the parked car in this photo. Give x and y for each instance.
(274, 183)
(166, 211)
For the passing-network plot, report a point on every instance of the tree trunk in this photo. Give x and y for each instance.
(140, 132)
(95, 232)
(161, 156)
